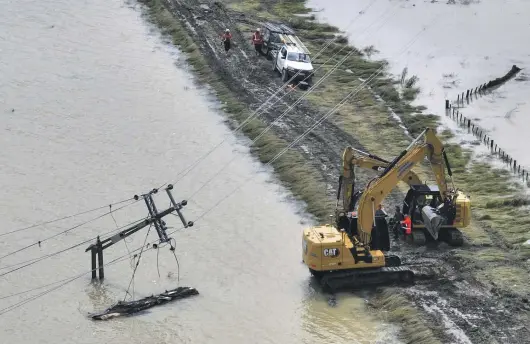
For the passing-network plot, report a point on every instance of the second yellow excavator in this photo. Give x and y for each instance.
(351, 253)
(418, 196)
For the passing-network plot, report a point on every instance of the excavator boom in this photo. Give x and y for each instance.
(379, 187)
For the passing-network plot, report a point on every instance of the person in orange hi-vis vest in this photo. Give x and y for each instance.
(257, 40)
(407, 223)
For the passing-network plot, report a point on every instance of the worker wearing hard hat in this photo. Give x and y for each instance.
(257, 40)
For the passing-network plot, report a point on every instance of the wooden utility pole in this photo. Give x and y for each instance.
(155, 218)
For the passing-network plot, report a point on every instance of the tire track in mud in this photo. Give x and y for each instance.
(460, 310)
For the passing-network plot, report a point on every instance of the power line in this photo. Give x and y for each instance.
(65, 217)
(70, 279)
(129, 254)
(34, 261)
(94, 238)
(318, 122)
(36, 288)
(39, 242)
(67, 281)
(332, 111)
(191, 167)
(322, 79)
(183, 173)
(342, 102)
(137, 263)
(292, 106)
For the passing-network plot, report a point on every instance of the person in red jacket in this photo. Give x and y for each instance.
(257, 40)
(227, 39)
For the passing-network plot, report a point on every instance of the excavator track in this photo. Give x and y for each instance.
(452, 236)
(351, 279)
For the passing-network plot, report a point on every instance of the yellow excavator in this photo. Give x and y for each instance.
(351, 253)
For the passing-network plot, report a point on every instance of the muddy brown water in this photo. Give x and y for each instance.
(93, 110)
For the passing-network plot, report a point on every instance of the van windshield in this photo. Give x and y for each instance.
(298, 57)
(275, 38)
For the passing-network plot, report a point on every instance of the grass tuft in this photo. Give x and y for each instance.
(397, 309)
(511, 202)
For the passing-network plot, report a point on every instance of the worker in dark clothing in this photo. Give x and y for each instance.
(257, 40)
(227, 39)
(380, 212)
(399, 217)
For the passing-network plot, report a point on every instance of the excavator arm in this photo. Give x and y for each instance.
(352, 157)
(379, 187)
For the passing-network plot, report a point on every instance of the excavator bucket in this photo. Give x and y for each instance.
(432, 220)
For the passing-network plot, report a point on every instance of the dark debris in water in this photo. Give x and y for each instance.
(123, 308)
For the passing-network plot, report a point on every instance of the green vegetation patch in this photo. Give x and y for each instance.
(507, 278)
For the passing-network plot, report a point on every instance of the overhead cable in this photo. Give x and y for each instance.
(39, 242)
(66, 217)
(183, 173)
(71, 279)
(291, 107)
(317, 123)
(36, 260)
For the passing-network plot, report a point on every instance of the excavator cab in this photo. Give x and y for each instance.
(431, 217)
(380, 239)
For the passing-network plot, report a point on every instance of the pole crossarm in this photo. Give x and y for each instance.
(154, 218)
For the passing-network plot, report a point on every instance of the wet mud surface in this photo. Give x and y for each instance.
(458, 308)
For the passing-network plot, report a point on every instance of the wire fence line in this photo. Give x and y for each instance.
(452, 110)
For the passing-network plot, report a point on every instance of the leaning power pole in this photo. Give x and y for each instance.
(154, 218)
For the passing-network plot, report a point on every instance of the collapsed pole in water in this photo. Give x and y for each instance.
(155, 218)
(123, 308)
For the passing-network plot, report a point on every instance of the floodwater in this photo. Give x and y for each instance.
(465, 45)
(93, 111)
